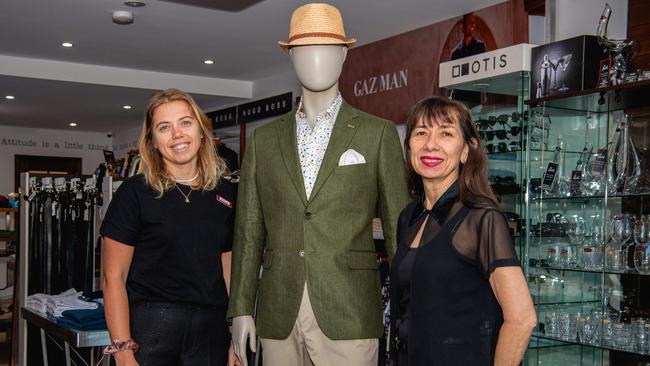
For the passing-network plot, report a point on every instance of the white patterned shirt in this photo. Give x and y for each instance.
(312, 144)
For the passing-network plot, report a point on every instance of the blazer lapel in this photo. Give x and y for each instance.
(286, 131)
(345, 128)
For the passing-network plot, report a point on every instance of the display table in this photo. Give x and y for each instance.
(70, 337)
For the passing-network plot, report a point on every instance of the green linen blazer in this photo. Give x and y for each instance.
(326, 240)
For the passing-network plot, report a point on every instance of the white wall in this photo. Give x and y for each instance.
(125, 140)
(60, 143)
(577, 17)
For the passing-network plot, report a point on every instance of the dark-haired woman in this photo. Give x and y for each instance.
(459, 295)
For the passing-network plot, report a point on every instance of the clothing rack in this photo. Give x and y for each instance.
(60, 245)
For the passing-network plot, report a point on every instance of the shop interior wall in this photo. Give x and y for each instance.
(638, 30)
(44, 142)
(577, 17)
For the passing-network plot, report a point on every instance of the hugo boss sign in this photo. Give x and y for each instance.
(485, 65)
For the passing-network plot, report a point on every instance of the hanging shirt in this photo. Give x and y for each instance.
(312, 143)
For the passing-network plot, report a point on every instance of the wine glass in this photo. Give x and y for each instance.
(620, 231)
(592, 250)
(576, 231)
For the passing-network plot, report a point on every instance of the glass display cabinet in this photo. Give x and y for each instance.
(587, 227)
(498, 110)
(573, 176)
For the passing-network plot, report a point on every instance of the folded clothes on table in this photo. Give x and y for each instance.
(55, 305)
(85, 319)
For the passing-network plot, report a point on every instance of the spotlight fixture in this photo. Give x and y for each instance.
(72, 124)
(208, 62)
(122, 17)
(10, 97)
(126, 107)
(134, 4)
(66, 44)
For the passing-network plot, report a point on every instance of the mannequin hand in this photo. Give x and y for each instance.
(233, 360)
(243, 328)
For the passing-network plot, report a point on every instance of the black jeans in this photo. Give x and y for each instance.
(177, 334)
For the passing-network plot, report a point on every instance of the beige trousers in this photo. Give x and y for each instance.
(308, 346)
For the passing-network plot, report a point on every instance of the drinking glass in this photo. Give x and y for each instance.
(622, 336)
(554, 255)
(641, 250)
(607, 332)
(640, 335)
(551, 327)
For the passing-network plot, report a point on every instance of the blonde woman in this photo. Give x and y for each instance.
(167, 233)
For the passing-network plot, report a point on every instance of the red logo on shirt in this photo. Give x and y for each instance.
(224, 201)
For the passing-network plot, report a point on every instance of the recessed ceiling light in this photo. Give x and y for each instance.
(208, 62)
(134, 4)
(72, 124)
(127, 107)
(10, 97)
(66, 44)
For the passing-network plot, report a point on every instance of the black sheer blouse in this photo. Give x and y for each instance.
(443, 303)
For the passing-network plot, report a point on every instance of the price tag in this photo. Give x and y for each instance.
(549, 176)
(574, 184)
(598, 168)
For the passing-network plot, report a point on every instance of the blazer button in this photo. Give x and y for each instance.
(307, 215)
(301, 253)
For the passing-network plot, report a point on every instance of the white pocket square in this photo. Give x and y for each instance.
(351, 157)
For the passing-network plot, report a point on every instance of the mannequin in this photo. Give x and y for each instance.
(306, 236)
(318, 68)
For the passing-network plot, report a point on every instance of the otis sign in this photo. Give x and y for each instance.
(486, 65)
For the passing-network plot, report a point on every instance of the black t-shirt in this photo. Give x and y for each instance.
(178, 245)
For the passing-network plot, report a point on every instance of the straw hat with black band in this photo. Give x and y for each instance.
(316, 24)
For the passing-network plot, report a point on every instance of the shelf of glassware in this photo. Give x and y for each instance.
(544, 351)
(600, 100)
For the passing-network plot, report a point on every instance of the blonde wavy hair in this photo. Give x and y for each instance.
(211, 167)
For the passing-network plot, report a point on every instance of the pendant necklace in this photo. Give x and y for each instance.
(187, 196)
(187, 180)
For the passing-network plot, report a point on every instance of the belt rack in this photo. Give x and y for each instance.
(60, 246)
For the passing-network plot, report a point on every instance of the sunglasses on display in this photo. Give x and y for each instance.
(490, 135)
(500, 147)
(503, 147)
(505, 180)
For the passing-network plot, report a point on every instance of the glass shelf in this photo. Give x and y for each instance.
(582, 270)
(576, 302)
(538, 198)
(610, 348)
(542, 342)
(600, 100)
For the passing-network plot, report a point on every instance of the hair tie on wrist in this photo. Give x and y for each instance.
(119, 346)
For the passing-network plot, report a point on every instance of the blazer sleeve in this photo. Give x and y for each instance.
(393, 185)
(249, 236)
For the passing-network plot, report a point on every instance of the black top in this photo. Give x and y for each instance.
(438, 212)
(178, 245)
(452, 314)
